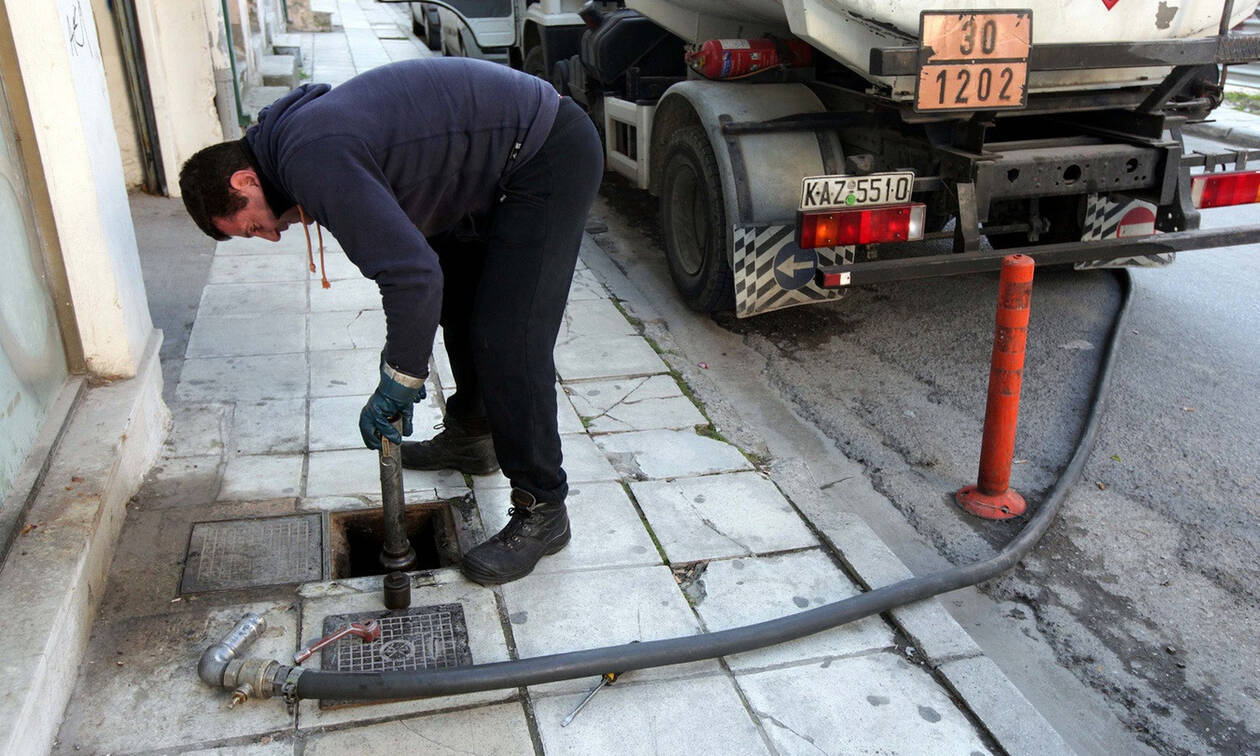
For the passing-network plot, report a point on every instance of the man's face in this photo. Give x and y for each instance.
(256, 218)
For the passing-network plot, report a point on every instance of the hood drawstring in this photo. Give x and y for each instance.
(310, 255)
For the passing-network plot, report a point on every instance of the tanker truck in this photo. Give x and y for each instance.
(802, 147)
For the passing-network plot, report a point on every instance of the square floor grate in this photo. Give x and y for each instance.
(423, 637)
(261, 551)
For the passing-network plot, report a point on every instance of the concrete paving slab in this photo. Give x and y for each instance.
(869, 704)
(632, 404)
(344, 372)
(230, 335)
(568, 611)
(566, 417)
(720, 516)
(355, 329)
(180, 481)
(442, 368)
(404, 49)
(269, 427)
(607, 530)
(588, 357)
(699, 716)
(251, 298)
(491, 730)
(1009, 717)
(646, 455)
(267, 745)
(485, 641)
(357, 471)
(263, 476)
(736, 592)
(934, 632)
(335, 421)
(336, 265)
(586, 286)
(197, 429)
(290, 241)
(228, 379)
(352, 294)
(594, 317)
(257, 268)
(146, 672)
(583, 463)
(583, 460)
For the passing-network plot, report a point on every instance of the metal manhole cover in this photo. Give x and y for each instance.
(422, 637)
(246, 553)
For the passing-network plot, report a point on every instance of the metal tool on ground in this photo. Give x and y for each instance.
(368, 631)
(397, 555)
(608, 678)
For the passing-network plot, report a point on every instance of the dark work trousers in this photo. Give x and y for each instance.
(503, 299)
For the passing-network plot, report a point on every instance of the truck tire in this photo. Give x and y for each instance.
(534, 63)
(693, 219)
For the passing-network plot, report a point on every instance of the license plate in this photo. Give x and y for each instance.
(973, 61)
(829, 192)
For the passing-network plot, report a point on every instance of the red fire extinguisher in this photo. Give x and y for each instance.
(732, 58)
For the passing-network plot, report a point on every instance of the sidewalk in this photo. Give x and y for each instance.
(264, 486)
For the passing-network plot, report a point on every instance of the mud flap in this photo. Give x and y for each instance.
(1115, 216)
(771, 272)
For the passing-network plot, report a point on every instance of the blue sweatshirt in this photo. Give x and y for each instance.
(396, 154)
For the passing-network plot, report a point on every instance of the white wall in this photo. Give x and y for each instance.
(59, 55)
(179, 55)
(119, 99)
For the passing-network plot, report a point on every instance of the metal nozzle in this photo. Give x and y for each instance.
(215, 659)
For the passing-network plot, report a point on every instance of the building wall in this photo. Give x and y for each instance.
(179, 55)
(119, 99)
(32, 359)
(78, 163)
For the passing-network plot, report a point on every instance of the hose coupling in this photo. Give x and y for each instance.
(214, 660)
(251, 678)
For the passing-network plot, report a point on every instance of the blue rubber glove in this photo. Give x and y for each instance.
(394, 397)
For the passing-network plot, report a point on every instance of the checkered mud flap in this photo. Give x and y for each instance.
(772, 272)
(1117, 216)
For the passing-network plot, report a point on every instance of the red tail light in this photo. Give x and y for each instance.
(1223, 189)
(862, 225)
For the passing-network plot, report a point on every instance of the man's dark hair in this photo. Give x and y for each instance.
(204, 183)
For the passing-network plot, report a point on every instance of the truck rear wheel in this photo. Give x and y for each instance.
(694, 222)
(534, 63)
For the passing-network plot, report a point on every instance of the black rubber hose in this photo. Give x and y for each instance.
(658, 653)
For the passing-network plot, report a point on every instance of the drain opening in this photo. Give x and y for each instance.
(356, 538)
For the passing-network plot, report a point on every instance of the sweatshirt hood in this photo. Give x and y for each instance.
(263, 141)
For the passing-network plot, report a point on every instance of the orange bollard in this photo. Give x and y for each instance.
(992, 497)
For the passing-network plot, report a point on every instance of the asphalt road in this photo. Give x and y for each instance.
(1132, 626)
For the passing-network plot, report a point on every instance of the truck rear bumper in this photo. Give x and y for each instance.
(882, 271)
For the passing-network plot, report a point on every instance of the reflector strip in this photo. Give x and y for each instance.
(1225, 189)
(869, 225)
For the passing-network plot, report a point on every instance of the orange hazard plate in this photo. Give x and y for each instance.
(973, 61)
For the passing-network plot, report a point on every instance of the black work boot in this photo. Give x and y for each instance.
(457, 447)
(536, 529)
